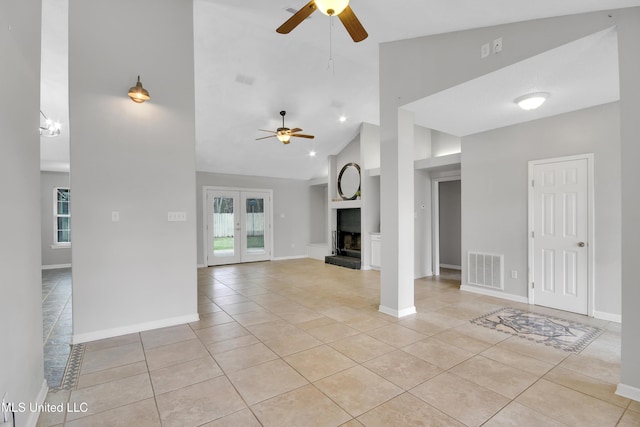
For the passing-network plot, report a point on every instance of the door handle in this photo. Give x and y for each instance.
(581, 244)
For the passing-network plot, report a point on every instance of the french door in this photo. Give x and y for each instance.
(238, 226)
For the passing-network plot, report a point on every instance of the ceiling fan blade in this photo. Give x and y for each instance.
(297, 18)
(264, 130)
(294, 130)
(301, 135)
(265, 137)
(353, 25)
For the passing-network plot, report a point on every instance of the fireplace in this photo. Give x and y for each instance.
(347, 242)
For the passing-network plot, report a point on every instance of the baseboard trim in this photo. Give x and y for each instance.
(32, 420)
(139, 327)
(284, 258)
(201, 266)
(451, 266)
(628, 391)
(607, 316)
(55, 266)
(494, 294)
(397, 313)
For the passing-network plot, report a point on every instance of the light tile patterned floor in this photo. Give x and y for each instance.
(301, 343)
(56, 323)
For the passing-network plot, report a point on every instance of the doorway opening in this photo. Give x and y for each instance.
(446, 226)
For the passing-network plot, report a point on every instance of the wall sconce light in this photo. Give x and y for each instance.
(139, 94)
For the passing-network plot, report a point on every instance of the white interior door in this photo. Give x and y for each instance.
(560, 235)
(238, 226)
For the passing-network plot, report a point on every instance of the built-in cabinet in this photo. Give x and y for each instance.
(375, 251)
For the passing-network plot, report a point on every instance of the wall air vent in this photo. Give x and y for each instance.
(485, 270)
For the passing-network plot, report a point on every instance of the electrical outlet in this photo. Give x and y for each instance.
(485, 50)
(514, 274)
(115, 216)
(497, 45)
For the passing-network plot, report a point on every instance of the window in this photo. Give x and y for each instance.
(61, 216)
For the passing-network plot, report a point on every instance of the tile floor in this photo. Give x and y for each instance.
(56, 322)
(301, 343)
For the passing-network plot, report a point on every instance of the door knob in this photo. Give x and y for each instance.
(581, 244)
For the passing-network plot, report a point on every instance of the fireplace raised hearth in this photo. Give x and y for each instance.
(347, 241)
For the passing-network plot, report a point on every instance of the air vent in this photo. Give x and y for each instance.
(294, 11)
(245, 80)
(485, 270)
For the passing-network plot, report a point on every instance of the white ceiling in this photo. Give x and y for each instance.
(578, 75)
(245, 73)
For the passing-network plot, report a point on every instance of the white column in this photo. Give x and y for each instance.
(397, 219)
(629, 57)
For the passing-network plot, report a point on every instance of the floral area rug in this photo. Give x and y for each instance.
(559, 333)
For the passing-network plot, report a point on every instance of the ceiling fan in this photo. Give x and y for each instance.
(283, 133)
(328, 7)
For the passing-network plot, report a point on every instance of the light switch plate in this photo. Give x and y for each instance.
(176, 216)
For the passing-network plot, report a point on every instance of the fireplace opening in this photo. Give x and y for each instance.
(348, 239)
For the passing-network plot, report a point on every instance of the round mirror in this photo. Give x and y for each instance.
(349, 181)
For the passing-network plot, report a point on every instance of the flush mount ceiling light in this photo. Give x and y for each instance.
(50, 129)
(342, 119)
(139, 94)
(531, 101)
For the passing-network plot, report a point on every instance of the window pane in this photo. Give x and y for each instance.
(64, 236)
(63, 194)
(63, 208)
(63, 223)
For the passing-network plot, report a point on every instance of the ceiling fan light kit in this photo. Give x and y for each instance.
(339, 8)
(331, 7)
(283, 133)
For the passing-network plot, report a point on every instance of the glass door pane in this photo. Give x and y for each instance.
(223, 227)
(254, 225)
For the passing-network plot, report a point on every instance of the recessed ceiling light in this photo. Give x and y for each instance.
(342, 119)
(312, 153)
(531, 101)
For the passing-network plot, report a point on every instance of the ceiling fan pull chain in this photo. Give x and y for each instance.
(330, 65)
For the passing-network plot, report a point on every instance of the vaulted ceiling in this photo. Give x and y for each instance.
(246, 73)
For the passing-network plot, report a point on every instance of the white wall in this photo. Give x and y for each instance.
(136, 159)
(422, 144)
(22, 375)
(494, 194)
(49, 181)
(443, 144)
(290, 210)
(423, 265)
(450, 221)
(318, 211)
